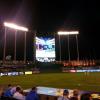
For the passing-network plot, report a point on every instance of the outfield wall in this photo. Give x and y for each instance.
(14, 73)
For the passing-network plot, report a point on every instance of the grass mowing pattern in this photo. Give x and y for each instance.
(90, 82)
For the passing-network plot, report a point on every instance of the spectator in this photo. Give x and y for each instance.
(7, 92)
(32, 95)
(13, 90)
(75, 95)
(18, 94)
(1, 91)
(65, 95)
(86, 96)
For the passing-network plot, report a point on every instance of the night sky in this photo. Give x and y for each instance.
(50, 16)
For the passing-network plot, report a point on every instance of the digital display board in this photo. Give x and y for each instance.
(28, 72)
(11, 73)
(45, 49)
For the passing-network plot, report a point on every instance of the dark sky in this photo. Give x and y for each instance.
(49, 16)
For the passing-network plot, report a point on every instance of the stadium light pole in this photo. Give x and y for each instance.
(25, 49)
(59, 48)
(4, 50)
(35, 48)
(15, 47)
(68, 49)
(78, 57)
(70, 33)
(20, 28)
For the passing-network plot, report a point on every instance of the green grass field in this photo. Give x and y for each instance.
(90, 82)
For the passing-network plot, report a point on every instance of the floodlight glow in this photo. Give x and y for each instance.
(14, 26)
(67, 32)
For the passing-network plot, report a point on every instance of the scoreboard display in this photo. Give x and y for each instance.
(45, 49)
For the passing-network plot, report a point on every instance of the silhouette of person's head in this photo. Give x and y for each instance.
(86, 96)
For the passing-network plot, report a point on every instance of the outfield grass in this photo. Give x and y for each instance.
(59, 80)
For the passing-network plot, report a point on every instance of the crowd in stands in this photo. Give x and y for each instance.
(75, 96)
(17, 93)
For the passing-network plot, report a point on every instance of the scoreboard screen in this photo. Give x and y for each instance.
(45, 49)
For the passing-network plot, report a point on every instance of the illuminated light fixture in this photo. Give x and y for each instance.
(14, 26)
(67, 32)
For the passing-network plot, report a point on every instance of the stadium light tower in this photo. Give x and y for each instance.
(15, 27)
(4, 50)
(69, 33)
